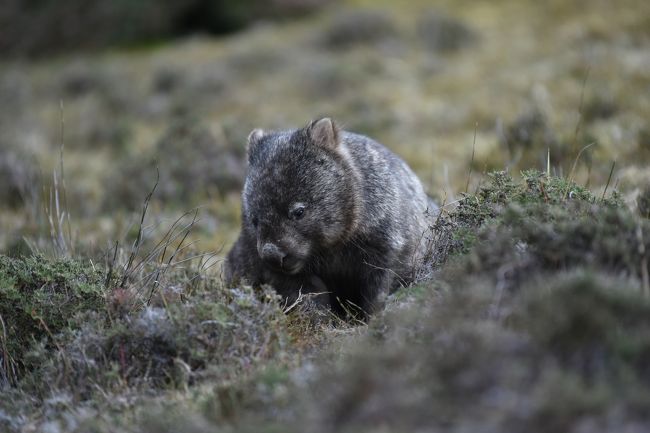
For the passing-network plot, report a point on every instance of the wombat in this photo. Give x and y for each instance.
(325, 210)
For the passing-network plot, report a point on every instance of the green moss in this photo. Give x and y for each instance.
(534, 188)
(40, 298)
(503, 203)
(411, 292)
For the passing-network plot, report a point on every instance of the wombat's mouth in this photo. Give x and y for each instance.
(289, 265)
(292, 265)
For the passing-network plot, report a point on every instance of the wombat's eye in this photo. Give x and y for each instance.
(297, 213)
(255, 221)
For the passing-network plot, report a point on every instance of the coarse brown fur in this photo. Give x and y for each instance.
(325, 209)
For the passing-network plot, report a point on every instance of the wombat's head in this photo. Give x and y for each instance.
(301, 194)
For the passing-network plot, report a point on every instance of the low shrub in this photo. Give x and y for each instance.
(192, 165)
(358, 28)
(33, 28)
(19, 178)
(40, 298)
(444, 34)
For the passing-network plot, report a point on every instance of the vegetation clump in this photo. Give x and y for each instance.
(18, 177)
(500, 201)
(533, 318)
(351, 29)
(69, 330)
(538, 322)
(192, 164)
(218, 335)
(549, 355)
(40, 298)
(443, 33)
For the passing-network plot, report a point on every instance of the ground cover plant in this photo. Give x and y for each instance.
(536, 318)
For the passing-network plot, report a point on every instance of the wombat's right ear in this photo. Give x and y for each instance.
(325, 133)
(254, 139)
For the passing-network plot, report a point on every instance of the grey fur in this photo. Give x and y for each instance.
(361, 227)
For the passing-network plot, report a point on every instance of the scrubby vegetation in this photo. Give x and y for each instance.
(18, 178)
(537, 319)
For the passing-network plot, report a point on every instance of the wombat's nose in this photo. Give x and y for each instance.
(271, 254)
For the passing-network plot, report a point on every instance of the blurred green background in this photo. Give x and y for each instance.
(132, 88)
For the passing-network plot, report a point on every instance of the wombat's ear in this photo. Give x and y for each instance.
(254, 139)
(324, 133)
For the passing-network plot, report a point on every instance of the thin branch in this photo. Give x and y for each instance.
(609, 179)
(471, 162)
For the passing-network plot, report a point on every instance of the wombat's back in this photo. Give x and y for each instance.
(395, 204)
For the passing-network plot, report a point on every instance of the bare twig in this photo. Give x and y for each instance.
(471, 163)
(293, 305)
(173, 255)
(62, 169)
(609, 179)
(66, 361)
(111, 264)
(351, 309)
(135, 248)
(8, 364)
(575, 162)
(644, 261)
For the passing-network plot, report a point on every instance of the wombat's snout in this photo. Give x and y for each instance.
(277, 258)
(272, 255)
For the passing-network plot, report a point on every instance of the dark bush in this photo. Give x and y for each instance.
(192, 165)
(366, 27)
(643, 202)
(442, 33)
(39, 298)
(570, 352)
(45, 26)
(20, 180)
(599, 106)
(530, 137)
(530, 131)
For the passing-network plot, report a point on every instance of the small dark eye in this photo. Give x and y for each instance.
(297, 213)
(255, 221)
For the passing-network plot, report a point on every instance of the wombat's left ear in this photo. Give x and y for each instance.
(254, 139)
(324, 133)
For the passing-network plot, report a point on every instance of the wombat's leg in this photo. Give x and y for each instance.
(291, 287)
(375, 286)
(321, 293)
(243, 262)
